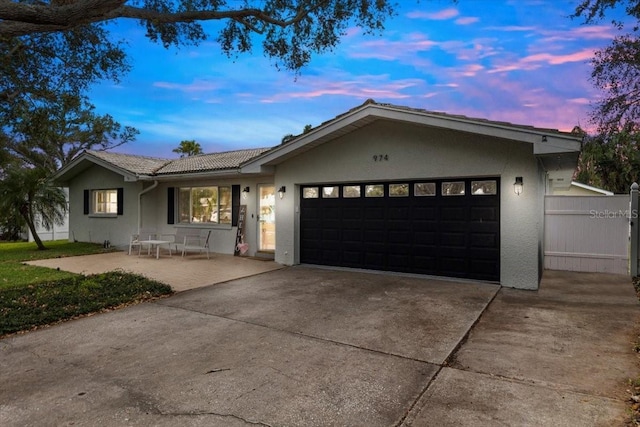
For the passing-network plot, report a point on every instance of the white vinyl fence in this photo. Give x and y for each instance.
(587, 233)
(57, 231)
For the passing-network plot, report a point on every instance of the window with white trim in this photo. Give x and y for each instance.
(198, 205)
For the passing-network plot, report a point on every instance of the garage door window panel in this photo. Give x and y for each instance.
(455, 188)
(310, 193)
(330, 192)
(398, 190)
(484, 188)
(351, 191)
(424, 189)
(374, 190)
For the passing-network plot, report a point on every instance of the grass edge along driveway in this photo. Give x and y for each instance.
(31, 296)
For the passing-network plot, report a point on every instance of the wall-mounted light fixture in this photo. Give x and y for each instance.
(281, 191)
(245, 192)
(544, 138)
(517, 186)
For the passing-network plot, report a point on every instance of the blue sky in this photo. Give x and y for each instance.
(520, 61)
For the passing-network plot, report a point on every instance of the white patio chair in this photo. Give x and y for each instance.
(197, 243)
(137, 237)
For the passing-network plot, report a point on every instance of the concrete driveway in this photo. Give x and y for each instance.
(313, 347)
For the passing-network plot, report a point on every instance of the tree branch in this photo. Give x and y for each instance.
(17, 19)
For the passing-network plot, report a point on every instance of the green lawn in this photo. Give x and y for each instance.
(33, 296)
(28, 251)
(12, 255)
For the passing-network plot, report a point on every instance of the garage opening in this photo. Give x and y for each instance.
(437, 227)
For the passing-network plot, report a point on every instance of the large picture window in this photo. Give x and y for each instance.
(204, 205)
(105, 201)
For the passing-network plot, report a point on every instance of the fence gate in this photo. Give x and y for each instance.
(587, 233)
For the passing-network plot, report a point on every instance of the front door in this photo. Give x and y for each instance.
(266, 218)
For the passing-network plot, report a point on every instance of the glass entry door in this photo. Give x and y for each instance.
(266, 218)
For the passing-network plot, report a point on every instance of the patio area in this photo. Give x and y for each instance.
(181, 273)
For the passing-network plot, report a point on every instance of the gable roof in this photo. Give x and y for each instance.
(549, 145)
(135, 167)
(545, 141)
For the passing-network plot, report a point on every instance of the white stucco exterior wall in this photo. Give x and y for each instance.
(154, 205)
(92, 228)
(420, 152)
(223, 236)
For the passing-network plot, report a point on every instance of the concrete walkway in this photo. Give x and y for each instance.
(181, 273)
(314, 347)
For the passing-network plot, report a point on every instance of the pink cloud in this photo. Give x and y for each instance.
(591, 32)
(391, 50)
(430, 95)
(511, 67)
(595, 32)
(512, 28)
(479, 49)
(580, 101)
(470, 70)
(533, 62)
(436, 16)
(377, 87)
(467, 21)
(583, 55)
(516, 101)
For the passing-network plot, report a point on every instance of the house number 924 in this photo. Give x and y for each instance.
(380, 157)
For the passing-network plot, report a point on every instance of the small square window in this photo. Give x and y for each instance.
(424, 189)
(330, 192)
(105, 202)
(351, 191)
(398, 190)
(310, 193)
(374, 190)
(455, 188)
(484, 188)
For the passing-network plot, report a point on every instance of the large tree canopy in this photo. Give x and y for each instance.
(593, 10)
(39, 64)
(46, 118)
(45, 115)
(616, 71)
(611, 162)
(616, 68)
(290, 29)
(51, 134)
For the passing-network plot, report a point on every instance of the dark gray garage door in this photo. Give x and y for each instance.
(436, 227)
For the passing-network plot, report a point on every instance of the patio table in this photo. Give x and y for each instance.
(157, 243)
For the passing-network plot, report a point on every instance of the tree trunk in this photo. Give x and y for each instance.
(32, 228)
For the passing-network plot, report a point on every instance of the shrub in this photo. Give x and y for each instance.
(27, 307)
